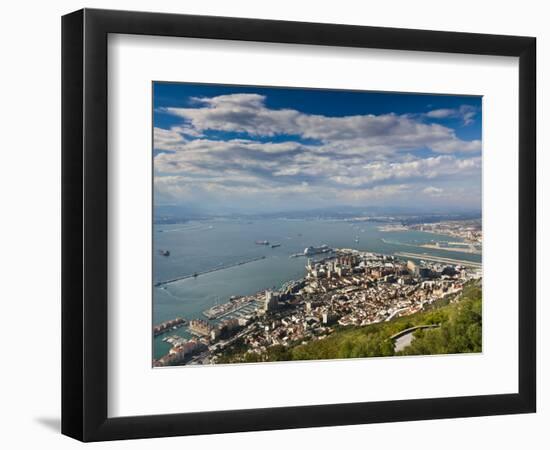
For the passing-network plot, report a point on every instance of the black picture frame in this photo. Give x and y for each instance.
(84, 224)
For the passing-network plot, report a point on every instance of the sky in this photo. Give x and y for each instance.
(238, 149)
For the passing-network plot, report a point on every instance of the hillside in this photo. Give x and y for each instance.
(459, 332)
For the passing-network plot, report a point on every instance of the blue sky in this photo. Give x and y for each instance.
(247, 149)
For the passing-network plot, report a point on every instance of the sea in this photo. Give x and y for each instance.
(206, 245)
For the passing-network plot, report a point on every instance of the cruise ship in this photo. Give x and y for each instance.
(309, 251)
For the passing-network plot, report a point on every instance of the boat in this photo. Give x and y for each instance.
(308, 251)
(275, 245)
(164, 252)
(262, 242)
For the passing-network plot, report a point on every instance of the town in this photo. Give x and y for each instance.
(346, 288)
(469, 230)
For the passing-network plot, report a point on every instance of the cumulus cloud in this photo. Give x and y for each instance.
(248, 113)
(244, 113)
(284, 155)
(417, 170)
(270, 166)
(168, 139)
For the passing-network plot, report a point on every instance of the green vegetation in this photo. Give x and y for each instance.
(459, 332)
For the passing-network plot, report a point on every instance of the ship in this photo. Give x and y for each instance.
(309, 251)
(275, 245)
(164, 252)
(262, 242)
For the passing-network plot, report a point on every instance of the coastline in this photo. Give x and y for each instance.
(192, 296)
(253, 303)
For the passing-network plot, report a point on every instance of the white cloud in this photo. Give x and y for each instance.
(247, 113)
(269, 164)
(468, 114)
(465, 112)
(441, 113)
(351, 159)
(433, 191)
(458, 146)
(416, 170)
(168, 139)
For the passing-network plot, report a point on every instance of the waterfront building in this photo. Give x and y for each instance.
(168, 325)
(244, 321)
(328, 318)
(271, 301)
(215, 333)
(230, 324)
(199, 326)
(411, 266)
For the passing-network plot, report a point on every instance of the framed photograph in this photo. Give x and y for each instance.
(273, 224)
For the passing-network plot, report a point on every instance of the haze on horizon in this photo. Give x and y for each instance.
(232, 149)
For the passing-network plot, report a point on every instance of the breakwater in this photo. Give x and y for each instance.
(214, 269)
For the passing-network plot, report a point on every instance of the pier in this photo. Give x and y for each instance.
(214, 269)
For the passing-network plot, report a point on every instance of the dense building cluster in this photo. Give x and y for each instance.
(341, 288)
(348, 288)
(182, 350)
(470, 230)
(352, 289)
(168, 325)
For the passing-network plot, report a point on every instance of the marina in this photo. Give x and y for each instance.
(225, 309)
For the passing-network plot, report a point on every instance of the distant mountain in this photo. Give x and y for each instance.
(409, 215)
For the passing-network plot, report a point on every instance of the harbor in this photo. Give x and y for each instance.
(232, 306)
(272, 268)
(350, 289)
